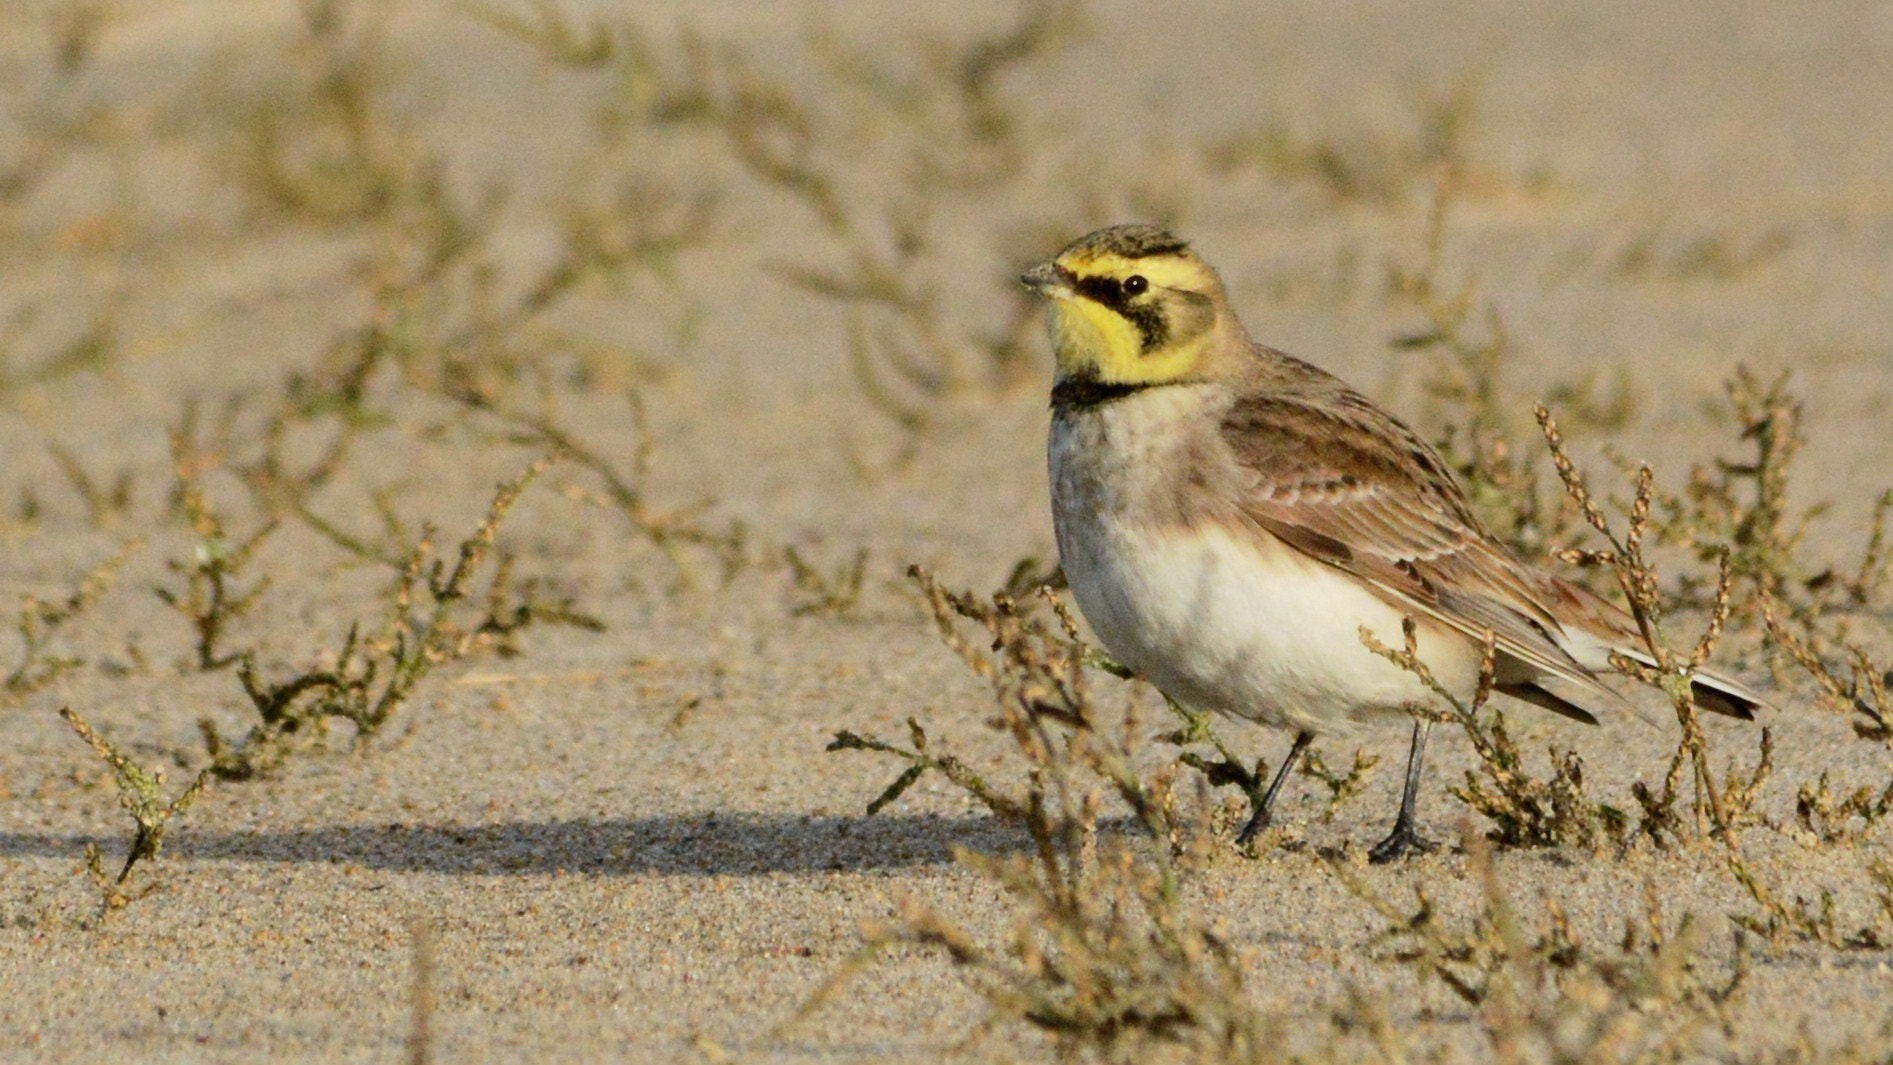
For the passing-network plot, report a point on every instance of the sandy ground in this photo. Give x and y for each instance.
(631, 845)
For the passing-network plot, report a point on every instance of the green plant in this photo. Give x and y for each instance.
(434, 615)
(141, 793)
(41, 621)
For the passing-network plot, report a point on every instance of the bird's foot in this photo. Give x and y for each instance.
(1260, 820)
(1404, 841)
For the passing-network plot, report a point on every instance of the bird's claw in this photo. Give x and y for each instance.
(1404, 841)
(1257, 822)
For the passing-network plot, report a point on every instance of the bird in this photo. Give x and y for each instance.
(1231, 519)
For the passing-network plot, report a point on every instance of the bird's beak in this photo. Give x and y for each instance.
(1048, 279)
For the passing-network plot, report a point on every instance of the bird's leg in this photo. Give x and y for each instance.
(1405, 841)
(1265, 810)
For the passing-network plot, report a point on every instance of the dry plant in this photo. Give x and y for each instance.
(46, 104)
(55, 114)
(434, 615)
(106, 504)
(1655, 663)
(947, 138)
(649, 86)
(1715, 257)
(1811, 611)
(440, 333)
(452, 321)
(1380, 169)
(1849, 681)
(1342, 787)
(41, 621)
(955, 140)
(141, 793)
(669, 530)
(1103, 956)
(1031, 573)
(1744, 502)
(1525, 811)
(28, 508)
(210, 600)
(1833, 820)
(1740, 505)
(1733, 513)
(448, 318)
(1225, 768)
(1541, 994)
(1813, 921)
(449, 321)
(90, 348)
(317, 141)
(836, 594)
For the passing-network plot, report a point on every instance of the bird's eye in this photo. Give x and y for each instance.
(1135, 285)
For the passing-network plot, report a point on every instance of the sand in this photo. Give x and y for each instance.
(631, 845)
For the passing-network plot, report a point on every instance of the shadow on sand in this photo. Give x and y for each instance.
(743, 844)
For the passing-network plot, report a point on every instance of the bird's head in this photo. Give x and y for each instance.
(1133, 305)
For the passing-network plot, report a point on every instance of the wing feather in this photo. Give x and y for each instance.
(1340, 480)
(1348, 485)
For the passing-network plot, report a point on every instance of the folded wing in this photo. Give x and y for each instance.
(1346, 484)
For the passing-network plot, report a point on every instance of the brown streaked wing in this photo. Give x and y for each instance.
(1340, 480)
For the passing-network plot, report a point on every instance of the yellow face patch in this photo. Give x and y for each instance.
(1103, 331)
(1092, 340)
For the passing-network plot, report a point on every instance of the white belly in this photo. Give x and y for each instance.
(1226, 619)
(1271, 636)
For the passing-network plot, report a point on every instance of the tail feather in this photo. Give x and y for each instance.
(1593, 628)
(1537, 695)
(1714, 691)
(1727, 696)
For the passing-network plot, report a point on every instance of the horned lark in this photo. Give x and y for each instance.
(1229, 518)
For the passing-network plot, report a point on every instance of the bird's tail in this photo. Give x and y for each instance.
(1714, 691)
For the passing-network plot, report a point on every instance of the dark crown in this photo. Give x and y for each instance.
(1135, 241)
